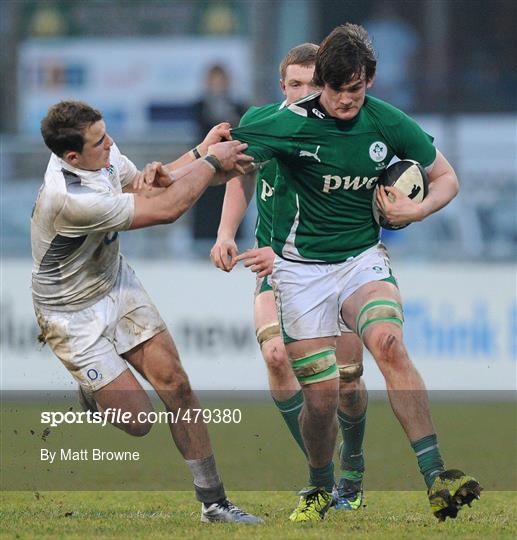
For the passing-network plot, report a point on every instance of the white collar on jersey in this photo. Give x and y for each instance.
(300, 110)
(82, 173)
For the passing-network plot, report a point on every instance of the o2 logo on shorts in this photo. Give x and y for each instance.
(94, 375)
(110, 237)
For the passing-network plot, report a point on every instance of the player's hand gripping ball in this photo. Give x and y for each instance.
(410, 178)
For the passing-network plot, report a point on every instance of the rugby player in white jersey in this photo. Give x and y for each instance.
(92, 310)
(296, 71)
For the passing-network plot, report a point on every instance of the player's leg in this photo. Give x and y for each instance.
(318, 419)
(312, 359)
(307, 302)
(375, 309)
(351, 416)
(158, 361)
(282, 381)
(285, 390)
(353, 396)
(143, 340)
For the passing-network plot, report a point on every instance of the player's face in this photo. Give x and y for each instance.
(298, 82)
(96, 149)
(346, 102)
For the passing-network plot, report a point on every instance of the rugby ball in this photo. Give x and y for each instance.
(409, 177)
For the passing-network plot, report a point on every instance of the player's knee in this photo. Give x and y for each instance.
(277, 361)
(181, 386)
(350, 381)
(267, 333)
(349, 387)
(140, 423)
(139, 429)
(350, 374)
(322, 411)
(389, 349)
(378, 317)
(350, 394)
(320, 405)
(174, 381)
(317, 367)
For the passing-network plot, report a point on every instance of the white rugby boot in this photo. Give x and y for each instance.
(226, 512)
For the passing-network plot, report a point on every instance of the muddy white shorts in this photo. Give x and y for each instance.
(309, 296)
(264, 285)
(90, 341)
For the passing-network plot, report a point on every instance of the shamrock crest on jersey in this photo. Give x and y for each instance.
(378, 151)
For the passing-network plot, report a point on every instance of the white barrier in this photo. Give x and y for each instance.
(124, 78)
(461, 326)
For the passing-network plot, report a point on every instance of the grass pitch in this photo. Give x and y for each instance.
(157, 515)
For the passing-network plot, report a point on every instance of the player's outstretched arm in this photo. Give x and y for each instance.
(239, 191)
(400, 210)
(220, 132)
(162, 178)
(189, 183)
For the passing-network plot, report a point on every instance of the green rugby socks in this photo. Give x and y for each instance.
(429, 458)
(290, 410)
(322, 476)
(351, 459)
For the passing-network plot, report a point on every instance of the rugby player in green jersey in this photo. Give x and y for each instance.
(330, 267)
(296, 70)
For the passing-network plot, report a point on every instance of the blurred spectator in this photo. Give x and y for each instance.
(216, 105)
(396, 43)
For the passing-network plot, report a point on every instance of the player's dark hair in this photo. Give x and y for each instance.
(63, 126)
(344, 55)
(301, 55)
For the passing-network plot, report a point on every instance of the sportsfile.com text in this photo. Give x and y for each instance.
(117, 416)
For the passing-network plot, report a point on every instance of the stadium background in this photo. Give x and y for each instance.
(143, 64)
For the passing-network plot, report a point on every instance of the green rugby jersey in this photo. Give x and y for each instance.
(265, 178)
(328, 169)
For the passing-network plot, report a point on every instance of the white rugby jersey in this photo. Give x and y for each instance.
(74, 232)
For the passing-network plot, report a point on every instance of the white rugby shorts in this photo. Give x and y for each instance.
(90, 341)
(309, 296)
